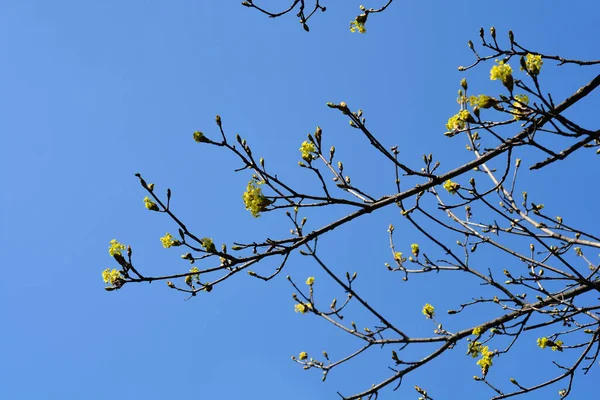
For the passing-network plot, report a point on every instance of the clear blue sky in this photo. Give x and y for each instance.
(93, 92)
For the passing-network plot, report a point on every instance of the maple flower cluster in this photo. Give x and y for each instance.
(307, 149)
(150, 205)
(168, 241)
(451, 187)
(111, 277)
(414, 248)
(302, 308)
(115, 248)
(501, 71)
(554, 345)
(482, 101)
(428, 311)
(458, 121)
(520, 109)
(358, 25)
(254, 199)
(190, 278)
(533, 63)
(476, 349)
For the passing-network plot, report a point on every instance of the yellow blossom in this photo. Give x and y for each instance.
(190, 278)
(307, 149)
(474, 349)
(358, 25)
(501, 71)
(457, 121)
(398, 256)
(254, 199)
(302, 308)
(477, 331)
(111, 277)
(310, 280)
(115, 248)
(451, 187)
(208, 245)
(557, 345)
(542, 342)
(168, 241)
(303, 356)
(533, 62)
(428, 311)
(520, 106)
(150, 205)
(485, 362)
(414, 248)
(482, 101)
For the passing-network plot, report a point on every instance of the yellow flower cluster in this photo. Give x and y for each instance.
(451, 187)
(115, 248)
(414, 248)
(150, 205)
(303, 356)
(458, 120)
(554, 345)
(477, 331)
(302, 308)
(533, 63)
(428, 311)
(398, 256)
(482, 101)
(307, 149)
(520, 111)
(485, 362)
(501, 71)
(474, 349)
(254, 199)
(358, 25)
(208, 245)
(190, 278)
(542, 342)
(310, 281)
(168, 241)
(111, 276)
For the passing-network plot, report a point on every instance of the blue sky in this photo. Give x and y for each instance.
(93, 92)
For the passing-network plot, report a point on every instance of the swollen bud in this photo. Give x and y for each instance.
(318, 134)
(509, 82)
(523, 63)
(199, 137)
